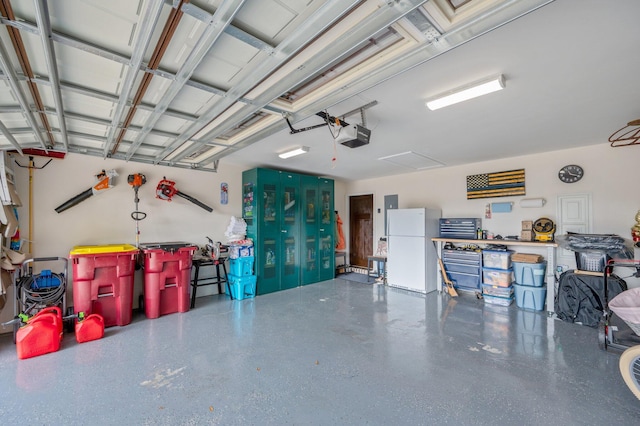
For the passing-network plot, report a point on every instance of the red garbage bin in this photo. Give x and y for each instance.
(103, 281)
(167, 277)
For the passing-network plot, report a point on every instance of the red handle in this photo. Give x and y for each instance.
(47, 317)
(49, 310)
(95, 317)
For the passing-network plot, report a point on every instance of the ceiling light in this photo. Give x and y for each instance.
(469, 91)
(294, 152)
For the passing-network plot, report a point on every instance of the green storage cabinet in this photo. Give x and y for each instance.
(290, 219)
(309, 235)
(313, 230)
(290, 230)
(318, 229)
(327, 230)
(261, 208)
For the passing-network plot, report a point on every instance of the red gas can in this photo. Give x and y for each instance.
(90, 328)
(56, 310)
(41, 335)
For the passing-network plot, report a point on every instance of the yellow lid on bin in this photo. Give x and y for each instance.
(107, 248)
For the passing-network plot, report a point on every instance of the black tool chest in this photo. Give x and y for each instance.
(464, 268)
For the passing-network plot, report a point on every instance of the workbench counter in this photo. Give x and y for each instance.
(550, 248)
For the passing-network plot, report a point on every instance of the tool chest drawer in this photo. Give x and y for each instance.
(462, 267)
(465, 281)
(469, 257)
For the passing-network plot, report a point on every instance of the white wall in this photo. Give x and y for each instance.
(340, 201)
(610, 177)
(106, 218)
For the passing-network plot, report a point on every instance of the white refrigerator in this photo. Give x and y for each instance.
(411, 255)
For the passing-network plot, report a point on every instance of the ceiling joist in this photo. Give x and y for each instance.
(183, 84)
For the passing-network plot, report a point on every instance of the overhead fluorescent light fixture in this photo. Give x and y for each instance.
(294, 152)
(464, 93)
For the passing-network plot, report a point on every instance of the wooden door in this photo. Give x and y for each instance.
(360, 229)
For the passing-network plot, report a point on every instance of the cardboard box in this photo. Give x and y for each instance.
(527, 225)
(527, 258)
(526, 236)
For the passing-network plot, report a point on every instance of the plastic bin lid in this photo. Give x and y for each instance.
(107, 248)
(497, 287)
(497, 270)
(171, 246)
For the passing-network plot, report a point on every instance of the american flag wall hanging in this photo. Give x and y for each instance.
(498, 184)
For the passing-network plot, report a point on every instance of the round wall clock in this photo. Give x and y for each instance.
(570, 173)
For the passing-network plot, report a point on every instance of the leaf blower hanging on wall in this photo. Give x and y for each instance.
(166, 190)
(104, 182)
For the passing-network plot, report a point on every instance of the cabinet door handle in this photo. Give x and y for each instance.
(283, 230)
(321, 229)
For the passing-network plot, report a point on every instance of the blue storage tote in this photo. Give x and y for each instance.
(531, 274)
(529, 297)
(237, 251)
(241, 266)
(241, 287)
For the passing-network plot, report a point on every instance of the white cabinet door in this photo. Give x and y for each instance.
(574, 215)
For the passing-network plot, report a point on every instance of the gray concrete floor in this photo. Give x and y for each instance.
(335, 352)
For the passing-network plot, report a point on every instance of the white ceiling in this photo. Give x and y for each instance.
(232, 71)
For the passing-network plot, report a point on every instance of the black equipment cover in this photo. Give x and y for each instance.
(581, 299)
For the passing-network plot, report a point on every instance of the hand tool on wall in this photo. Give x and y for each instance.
(166, 190)
(104, 182)
(136, 181)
